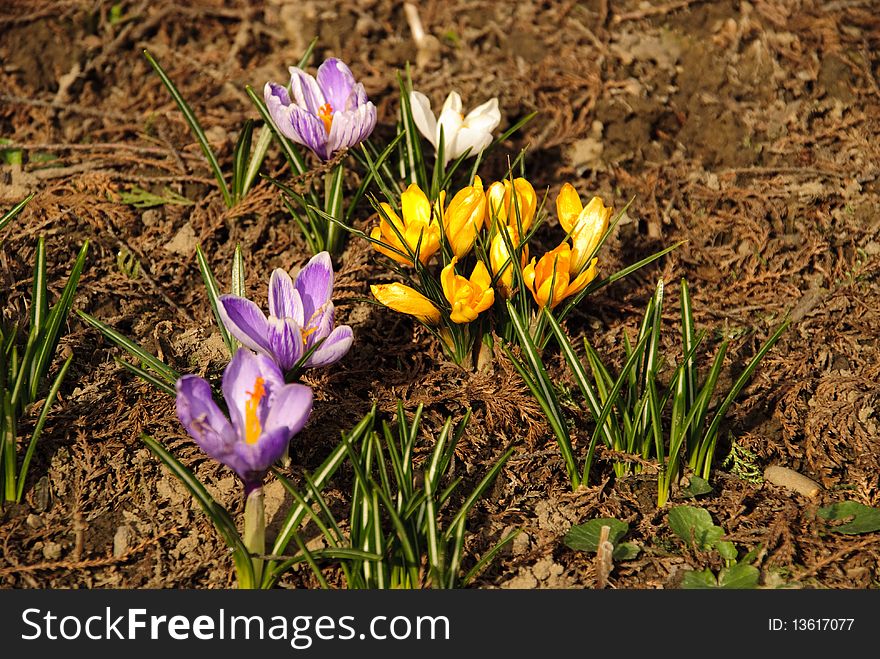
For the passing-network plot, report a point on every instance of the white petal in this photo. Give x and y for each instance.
(484, 117)
(453, 102)
(469, 138)
(423, 117)
(450, 122)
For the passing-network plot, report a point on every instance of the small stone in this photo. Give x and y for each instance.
(791, 480)
(34, 521)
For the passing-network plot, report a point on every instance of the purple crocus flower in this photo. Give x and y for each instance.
(265, 414)
(326, 115)
(301, 314)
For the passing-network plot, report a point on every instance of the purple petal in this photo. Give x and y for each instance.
(360, 96)
(281, 293)
(244, 320)
(369, 123)
(285, 338)
(252, 461)
(351, 128)
(240, 384)
(278, 105)
(333, 349)
(202, 418)
(305, 90)
(314, 283)
(308, 130)
(297, 314)
(290, 409)
(275, 93)
(336, 82)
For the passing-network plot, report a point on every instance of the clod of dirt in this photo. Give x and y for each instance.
(587, 153)
(52, 551)
(122, 540)
(792, 480)
(546, 573)
(183, 242)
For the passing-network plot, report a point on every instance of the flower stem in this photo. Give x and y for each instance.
(333, 207)
(255, 529)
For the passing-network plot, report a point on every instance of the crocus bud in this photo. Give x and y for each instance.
(500, 261)
(504, 206)
(405, 299)
(585, 224)
(464, 217)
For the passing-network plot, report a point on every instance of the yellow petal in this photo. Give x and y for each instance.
(430, 242)
(529, 275)
(387, 214)
(464, 217)
(388, 240)
(405, 299)
(447, 280)
(591, 225)
(495, 208)
(582, 280)
(481, 277)
(486, 300)
(504, 206)
(568, 207)
(415, 206)
(527, 202)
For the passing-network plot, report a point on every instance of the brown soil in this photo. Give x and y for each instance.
(748, 129)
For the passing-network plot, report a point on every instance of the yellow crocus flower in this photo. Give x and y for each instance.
(499, 260)
(548, 279)
(585, 224)
(467, 297)
(405, 299)
(501, 203)
(464, 217)
(418, 223)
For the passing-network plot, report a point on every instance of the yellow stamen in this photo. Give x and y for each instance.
(325, 113)
(252, 427)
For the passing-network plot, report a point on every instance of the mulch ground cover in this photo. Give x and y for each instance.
(747, 129)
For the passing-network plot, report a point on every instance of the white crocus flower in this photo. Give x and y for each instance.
(460, 132)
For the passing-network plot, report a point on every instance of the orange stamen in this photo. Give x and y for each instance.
(325, 112)
(311, 325)
(252, 427)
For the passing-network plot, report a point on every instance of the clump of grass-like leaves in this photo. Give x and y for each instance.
(633, 412)
(25, 358)
(246, 161)
(397, 511)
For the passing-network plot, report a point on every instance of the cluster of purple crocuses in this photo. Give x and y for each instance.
(327, 115)
(265, 412)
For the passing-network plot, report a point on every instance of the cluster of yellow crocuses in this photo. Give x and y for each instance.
(495, 219)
